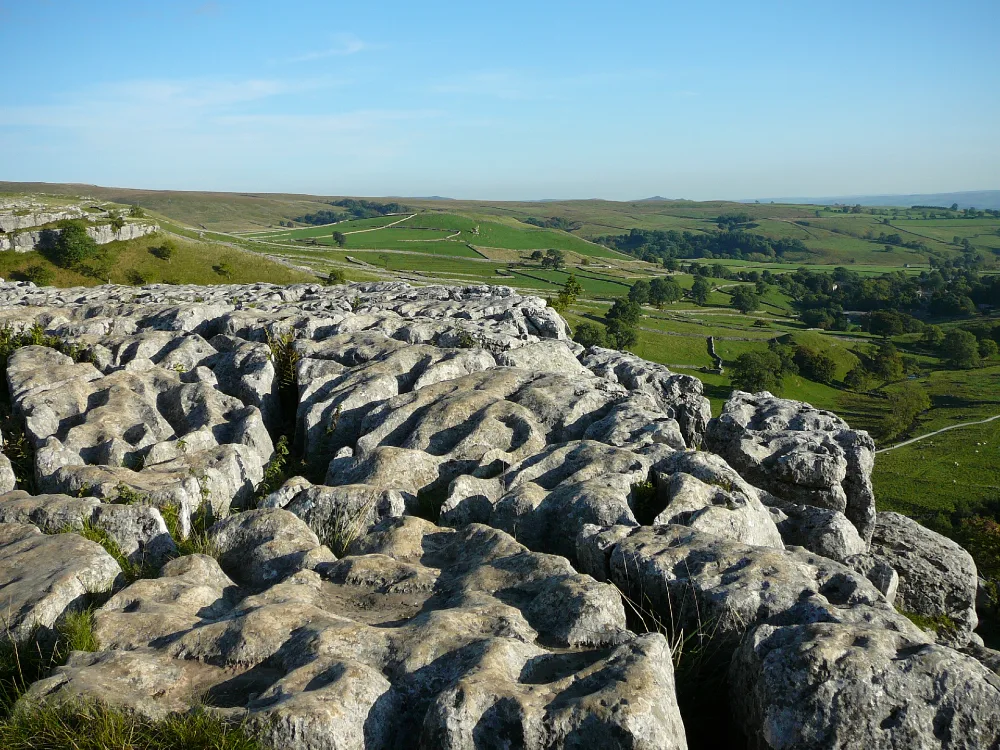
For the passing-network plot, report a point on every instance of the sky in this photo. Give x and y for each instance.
(505, 100)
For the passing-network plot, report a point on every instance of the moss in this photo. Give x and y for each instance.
(937, 624)
(198, 542)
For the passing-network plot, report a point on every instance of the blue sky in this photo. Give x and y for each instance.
(512, 100)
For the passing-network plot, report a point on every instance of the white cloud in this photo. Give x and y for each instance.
(343, 46)
(212, 131)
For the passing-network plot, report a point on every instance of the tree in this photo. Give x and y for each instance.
(988, 349)
(746, 300)
(117, 222)
(932, 337)
(817, 366)
(553, 258)
(757, 371)
(536, 255)
(340, 238)
(905, 403)
(663, 291)
(73, 246)
(859, 379)
(567, 295)
(135, 211)
(700, 290)
(886, 363)
(336, 276)
(639, 293)
(884, 323)
(621, 321)
(589, 334)
(961, 349)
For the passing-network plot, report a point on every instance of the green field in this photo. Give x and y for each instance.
(225, 237)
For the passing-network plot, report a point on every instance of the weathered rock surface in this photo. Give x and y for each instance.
(722, 589)
(830, 685)
(679, 396)
(138, 530)
(42, 577)
(801, 454)
(336, 618)
(701, 491)
(421, 633)
(937, 578)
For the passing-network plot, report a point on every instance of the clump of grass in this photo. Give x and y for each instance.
(341, 530)
(24, 663)
(644, 503)
(284, 357)
(132, 571)
(198, 542)
(97, 726)
(275, 473)
(701, 657)
(125, 495)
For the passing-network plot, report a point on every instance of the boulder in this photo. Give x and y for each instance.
(798, 453)
(937, 578)
(835, 685)
(43, 577)
(678, 396)
(700, 490)
(261, 547)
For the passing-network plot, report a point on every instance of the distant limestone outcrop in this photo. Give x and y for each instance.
(26, 225)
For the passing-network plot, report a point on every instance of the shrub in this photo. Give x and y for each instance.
(73, 246)
(39, 275)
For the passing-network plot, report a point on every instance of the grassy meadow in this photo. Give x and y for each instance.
(222, 238)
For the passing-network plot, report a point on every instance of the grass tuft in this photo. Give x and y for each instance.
(96, 726)
(132, 571)
(24, 663)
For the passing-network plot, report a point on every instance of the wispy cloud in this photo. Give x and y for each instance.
(225, 128)
(343, 45)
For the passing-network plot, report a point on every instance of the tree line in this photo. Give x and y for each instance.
(658, 246)
(353, 208)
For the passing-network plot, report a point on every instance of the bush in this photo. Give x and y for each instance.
(336, 276)
(73, 246)
(817, 366)
(39, 275)
(988, 349)
(164, 251)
